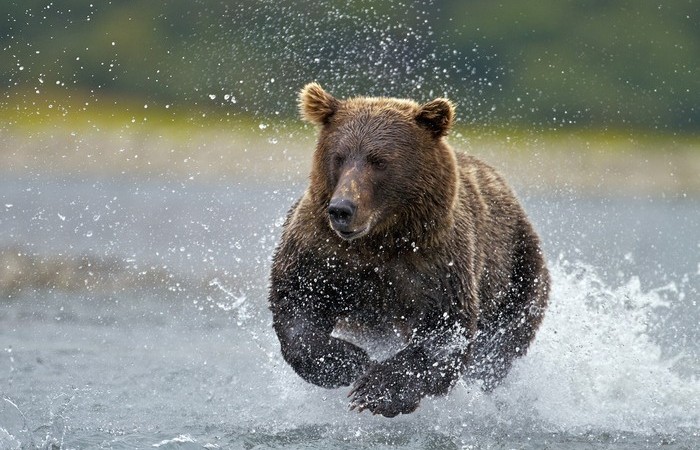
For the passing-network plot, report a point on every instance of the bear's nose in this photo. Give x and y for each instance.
(341, 212)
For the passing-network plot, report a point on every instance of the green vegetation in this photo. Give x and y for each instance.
(552, 63)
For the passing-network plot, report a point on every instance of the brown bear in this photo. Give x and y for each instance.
(397, 233)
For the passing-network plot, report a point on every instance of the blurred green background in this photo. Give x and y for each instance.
(596, 63)
(591, 78)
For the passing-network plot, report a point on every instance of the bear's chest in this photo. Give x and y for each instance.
(375, 317)
(368, 295)
(383, 301)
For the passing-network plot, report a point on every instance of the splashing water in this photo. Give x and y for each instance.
(390, 49)
(594, 368)
(595, 364)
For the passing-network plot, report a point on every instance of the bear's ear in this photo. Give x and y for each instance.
(436, 115)
(316, 105)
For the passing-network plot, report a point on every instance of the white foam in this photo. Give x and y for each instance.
(183, 438)
(594, 364)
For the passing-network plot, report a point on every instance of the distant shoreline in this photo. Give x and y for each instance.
(588, 162)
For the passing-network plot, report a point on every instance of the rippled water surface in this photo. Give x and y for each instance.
(134, 315)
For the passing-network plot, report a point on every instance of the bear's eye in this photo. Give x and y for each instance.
(377, 163)
(338, 160)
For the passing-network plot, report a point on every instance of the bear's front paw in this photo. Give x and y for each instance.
(387, 391)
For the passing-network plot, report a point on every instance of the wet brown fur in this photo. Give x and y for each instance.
(450, 260)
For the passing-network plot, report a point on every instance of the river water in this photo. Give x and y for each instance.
(133, 315)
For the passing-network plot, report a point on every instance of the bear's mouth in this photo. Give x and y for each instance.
(349, 235)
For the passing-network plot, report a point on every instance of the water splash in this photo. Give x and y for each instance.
(238, 300)
(361, 47)
(595, 367)
(595, 363)
(181, 439)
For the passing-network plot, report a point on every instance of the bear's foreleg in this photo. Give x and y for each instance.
(430, 365)
(507, 335)
(318, 357)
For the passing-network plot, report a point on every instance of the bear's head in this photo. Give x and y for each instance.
(381, 166)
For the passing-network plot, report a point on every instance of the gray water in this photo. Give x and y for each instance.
(133, 315)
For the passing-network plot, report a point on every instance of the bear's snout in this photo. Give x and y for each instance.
(341, 212)
(347, 219)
